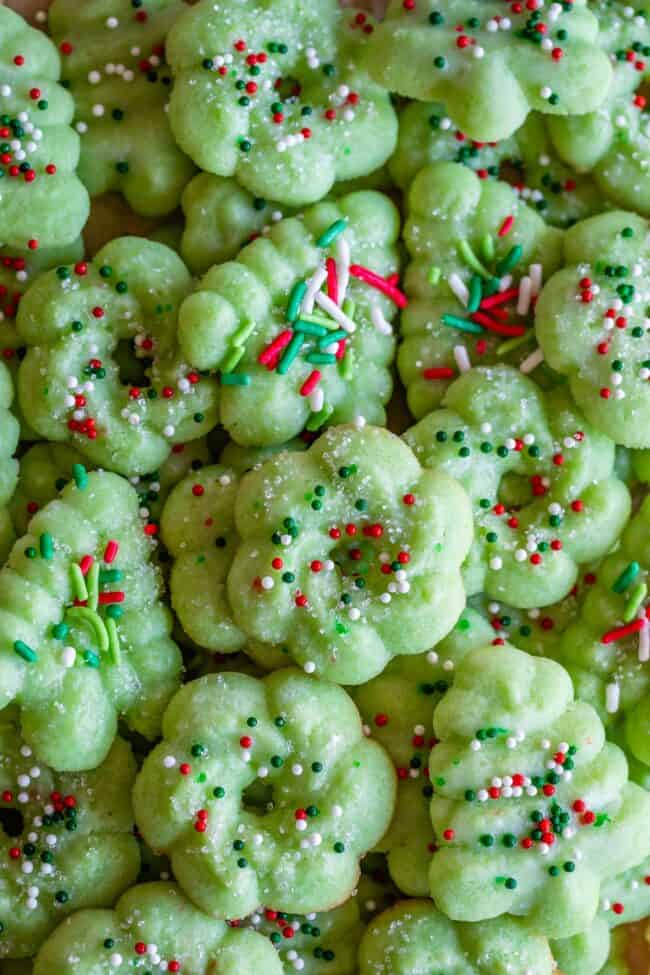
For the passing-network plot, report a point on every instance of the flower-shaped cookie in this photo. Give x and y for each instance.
(592, 323)
(153, 927)
(607, 648)
(349, 554)
(103, 368)
(528, 159)
(490, 66)
(397, 708)
(478, 259)
(613, 142)
(274, 95)
(260, 793)
(545, 494)
(413, 937)
(43, 202)
(299, 324)
(84, 637)
(113, 54)
(66, 841)
(532, 808)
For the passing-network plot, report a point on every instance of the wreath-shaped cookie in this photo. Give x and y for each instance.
(113, 54)
(532, 808)
(545, 494)
(259, 793)
(274, 94)
(84, 637)
(43, 202)
(299, 325)
(591, 323)
(479, 256)
(492, 66)
(66, 840)
(103, 369)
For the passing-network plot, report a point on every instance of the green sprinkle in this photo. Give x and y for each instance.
(109, 576)
(487, 248)
(290, 353)
(346, 364)
(295, 300)
(475, 294)
(59, 631)
(511, 883)
(91, 659)
(219, 792)
(232, 359)
(465, 251)
(318, 420)
(92, 583)
(331, 337)
(511, 344)
(114, 652)
(331, 233)
(46, 546)
(463, 324)
(235, 379)
(510, 260)
(78, 582)
(339, 847)
(310, 328)
(434, 275)
(29, 655)
(321, 358)
(636, 597)
(93, 621)
(627, 576)
(243, 333)
(319, 319)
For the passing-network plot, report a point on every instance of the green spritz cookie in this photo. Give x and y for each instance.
(66, 841)
(349, 554)
(299, 325)
(499, 66)
(607, 648)
(397, 708)
(9, 434)
(413, 937)
(542, 482)
(427, 135)
(532, 808)
(592, 320)
(273, 94)
(613, 141)
(43, 202)
(103, 368)
(260, 791)
(624, 898)
(113, 55)
(84, 637)
(479, 256)
(153, 927)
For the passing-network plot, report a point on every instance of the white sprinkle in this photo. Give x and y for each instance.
(342, 249)
(316, 400)
(262, 772)
(525, 293)
(383, 327)
(644, 643)
(98, 111)
(612, 698)
(458, 287)
(267, 582)
(313, 287)
(335, 312)
(496, 563)
(296, 769)
(309, 667)
(116, 960)
(169, 430)
(545, 91)
(462, 358)
(475, 745)
(532, 361)
(169, 761)
(337, 811)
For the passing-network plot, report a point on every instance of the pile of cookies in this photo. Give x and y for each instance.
(324, 527)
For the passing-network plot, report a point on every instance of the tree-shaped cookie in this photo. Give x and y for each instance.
(492, 66)
(397, 708)
(84, 637)
(532, 808)
(153, 927)
(259, 792)
(43, 202)
(349, 554)
(545, 494)
(66, 840)
(275, 95)
(413, 937)
(591, 323)
(612, 142)
(299, 325)
(478, 259)
(103, 368)
(113, 54)
(607, 648)
(427, 135)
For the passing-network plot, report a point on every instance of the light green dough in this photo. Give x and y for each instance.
(117, 73)
(610, 667)
(74, 672)
(66, 841)
(397, 707)
(545, 495)
(413, 938)
(349, 554)
(489, 94)
(9, 434)
(427, 135)
(152, 924)
(48, 208)
(512, 840)
(232, 746)
(305, 114)
(458, 264)
(592, 327)
(243, 459)
(242, 307)
(613, 141)
(106, 331)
